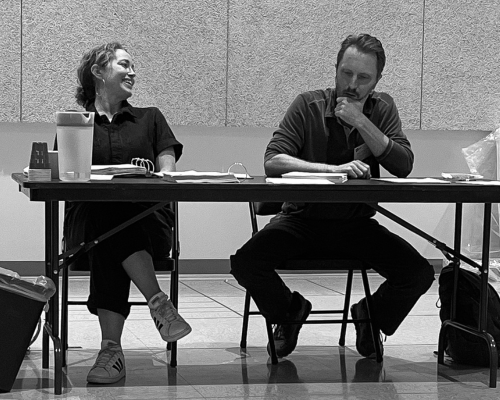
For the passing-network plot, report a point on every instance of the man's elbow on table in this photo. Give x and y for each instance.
(272, 167)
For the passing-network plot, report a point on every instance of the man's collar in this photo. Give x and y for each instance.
(369, 105)
(332, 101)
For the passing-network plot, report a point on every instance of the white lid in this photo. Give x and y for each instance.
(74, 118)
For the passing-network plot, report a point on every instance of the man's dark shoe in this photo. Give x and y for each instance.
(286, 335)
(364, 339)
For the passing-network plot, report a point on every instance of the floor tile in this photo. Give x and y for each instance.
(211, 364)
(214, 287)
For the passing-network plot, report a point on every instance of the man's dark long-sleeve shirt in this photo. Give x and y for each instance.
(310, 131)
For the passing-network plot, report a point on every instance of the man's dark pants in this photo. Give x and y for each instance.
(408, 275)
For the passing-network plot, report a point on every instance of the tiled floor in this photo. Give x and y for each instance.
(211, 365)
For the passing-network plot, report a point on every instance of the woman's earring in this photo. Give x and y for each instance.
(103, 85)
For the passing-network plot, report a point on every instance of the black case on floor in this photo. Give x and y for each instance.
(19, 316)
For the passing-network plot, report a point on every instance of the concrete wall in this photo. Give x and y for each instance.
(240, 63)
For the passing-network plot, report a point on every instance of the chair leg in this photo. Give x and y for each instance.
(174, 297)
(347, 303)
(246, 316)
(174, 279)
(274, 357)
(64, 315)
(343, 369)
(369, 307)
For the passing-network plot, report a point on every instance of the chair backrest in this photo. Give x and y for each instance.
(262, 208)
(267, 208)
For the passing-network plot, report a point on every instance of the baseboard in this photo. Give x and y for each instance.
(189, 266)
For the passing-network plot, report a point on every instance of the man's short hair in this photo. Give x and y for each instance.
(366, 44)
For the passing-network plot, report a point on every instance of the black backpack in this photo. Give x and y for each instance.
(463, 347)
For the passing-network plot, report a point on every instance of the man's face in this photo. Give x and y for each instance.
(356, 75)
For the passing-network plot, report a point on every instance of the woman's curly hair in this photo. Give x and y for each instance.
(100, 55)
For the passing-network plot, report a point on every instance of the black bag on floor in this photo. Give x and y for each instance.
(21, 304)
(463, 347)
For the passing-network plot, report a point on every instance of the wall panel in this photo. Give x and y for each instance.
(10, 60)
(461, 87)
(279, 48)
(179, 48)
(271, 50)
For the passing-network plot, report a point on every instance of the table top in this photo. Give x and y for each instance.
(256, 189)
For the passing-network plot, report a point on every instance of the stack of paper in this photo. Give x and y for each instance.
(199, 177)
(39, 174)
(412, 180)
(452, 176)
(105, 172)
(118, 169)
(335, 177)
(304, 181)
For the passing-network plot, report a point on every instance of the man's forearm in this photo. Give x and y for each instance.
(398, 161)
(283, 163)
(373, 137)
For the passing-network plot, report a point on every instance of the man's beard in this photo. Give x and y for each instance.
(352, 93)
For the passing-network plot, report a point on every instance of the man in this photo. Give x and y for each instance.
(352, 129)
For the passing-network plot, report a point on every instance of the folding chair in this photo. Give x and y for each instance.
(167, 265)
(313, 264)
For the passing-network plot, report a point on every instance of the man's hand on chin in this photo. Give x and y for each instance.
(349, 110)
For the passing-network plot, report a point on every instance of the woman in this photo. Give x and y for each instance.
(122, 132)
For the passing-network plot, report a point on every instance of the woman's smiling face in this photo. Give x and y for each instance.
(119, 76)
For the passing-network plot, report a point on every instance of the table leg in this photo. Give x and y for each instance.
(456, 265)
(483, 306)
(48, 273)
(480, 331)
(456, 261)
(51, 327)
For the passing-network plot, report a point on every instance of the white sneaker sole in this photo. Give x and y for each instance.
(180, 335)
(104, 380)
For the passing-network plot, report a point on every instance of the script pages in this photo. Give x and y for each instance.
(310, 178)
(199, 177)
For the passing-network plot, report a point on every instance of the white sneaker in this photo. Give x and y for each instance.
(169, 323)
(109, 366)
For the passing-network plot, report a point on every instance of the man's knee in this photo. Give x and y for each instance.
(240, 263)
(424, 276)
(249, 266)
(414, 280)
(430, 275)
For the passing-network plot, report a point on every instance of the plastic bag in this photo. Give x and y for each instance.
(482, 158)
(40, 288)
